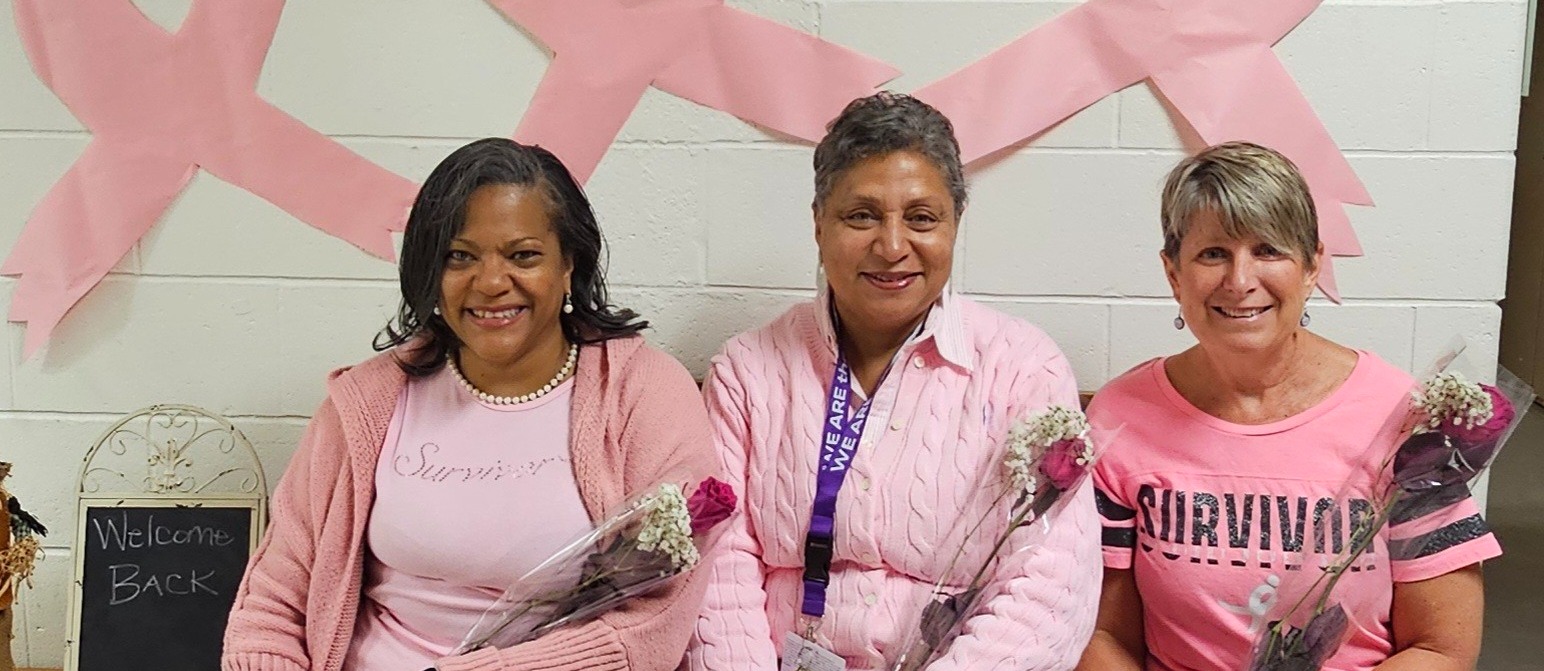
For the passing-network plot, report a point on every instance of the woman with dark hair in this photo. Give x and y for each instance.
(925, 383)
(512, 405)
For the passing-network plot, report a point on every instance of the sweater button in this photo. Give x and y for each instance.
(916, 362)
(897, 425)
(871, 599)
(864, 484)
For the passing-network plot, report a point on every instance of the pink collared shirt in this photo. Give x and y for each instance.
(932, 438)
(942, 327)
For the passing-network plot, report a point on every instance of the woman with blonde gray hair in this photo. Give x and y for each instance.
(1231, 444)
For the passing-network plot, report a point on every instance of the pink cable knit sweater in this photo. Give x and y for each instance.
(636, 415)
(933, 434)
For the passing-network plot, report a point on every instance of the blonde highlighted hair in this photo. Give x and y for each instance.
(1252, 190)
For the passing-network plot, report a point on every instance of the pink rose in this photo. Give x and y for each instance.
(1060, 463)
(712, 503)
(1480, 434)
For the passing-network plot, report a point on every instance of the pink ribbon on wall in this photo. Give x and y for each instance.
(1211, 59)
(609, 51)
(159, 106)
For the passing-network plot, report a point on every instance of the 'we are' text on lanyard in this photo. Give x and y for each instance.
(837, 448)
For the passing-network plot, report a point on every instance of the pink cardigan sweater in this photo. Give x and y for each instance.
(933, 435)
(636, 415)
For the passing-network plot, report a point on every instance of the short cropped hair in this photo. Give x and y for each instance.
(884, 123)
(1253, 190)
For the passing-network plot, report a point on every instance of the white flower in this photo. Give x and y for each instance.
(1448, 396)
(667, 527)
(1029, 439)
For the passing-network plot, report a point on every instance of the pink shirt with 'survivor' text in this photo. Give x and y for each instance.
(469, 497)
(1221, 521)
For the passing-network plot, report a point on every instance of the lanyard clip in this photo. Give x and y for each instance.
(817, 559)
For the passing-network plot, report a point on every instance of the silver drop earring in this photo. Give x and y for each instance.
(1305, 319)
(1179, 323)
(568, 305)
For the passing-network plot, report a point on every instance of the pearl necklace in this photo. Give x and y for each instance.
(568, 368)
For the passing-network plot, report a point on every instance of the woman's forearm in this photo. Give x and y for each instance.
(1437, 622)
(1105, 653)
(1119, 642)
(1420, 659)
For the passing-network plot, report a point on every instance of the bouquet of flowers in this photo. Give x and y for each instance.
(1450, 431)
(19, 546)
(651, 540)
(19, 551)
(1045, 457)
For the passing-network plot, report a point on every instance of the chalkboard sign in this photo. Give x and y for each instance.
(155, 581)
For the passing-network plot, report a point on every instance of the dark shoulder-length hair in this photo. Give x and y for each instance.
(438, 214)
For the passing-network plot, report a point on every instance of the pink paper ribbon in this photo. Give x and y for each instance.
(159, 106)
(609, 51)
(1211, 59)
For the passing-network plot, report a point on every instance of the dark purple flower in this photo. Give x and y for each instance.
(940, 616)
(1422, 461)
(611, 574)
(712, 503)
(1045, 497)
(1292, 649)
(1438, 458)
(1324, 633)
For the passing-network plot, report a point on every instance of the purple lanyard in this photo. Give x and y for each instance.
(837, 447)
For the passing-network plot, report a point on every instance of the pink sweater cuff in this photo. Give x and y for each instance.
(590, 647)
(259, 661)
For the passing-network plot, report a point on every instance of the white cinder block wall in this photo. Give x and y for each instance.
(231, 305)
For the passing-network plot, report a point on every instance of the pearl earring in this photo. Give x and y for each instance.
(568, 305)
(436, 310)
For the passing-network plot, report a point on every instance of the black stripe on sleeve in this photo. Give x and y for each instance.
(1428, 544)
(1117, 537)
(1111, 510)
(1413, 506)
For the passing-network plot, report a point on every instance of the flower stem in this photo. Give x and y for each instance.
(923, 653)
(1337, 569)
(1362, 543)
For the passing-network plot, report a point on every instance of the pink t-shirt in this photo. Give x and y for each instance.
(1218, 519)
(469, 497)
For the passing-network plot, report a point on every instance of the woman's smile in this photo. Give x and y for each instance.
(891, 281)
(1241, 314)
(496, 317)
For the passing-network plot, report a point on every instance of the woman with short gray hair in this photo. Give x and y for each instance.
(1230, 444)
(858, 425)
